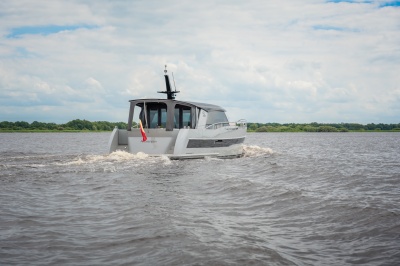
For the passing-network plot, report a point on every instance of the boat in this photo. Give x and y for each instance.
(179, 129)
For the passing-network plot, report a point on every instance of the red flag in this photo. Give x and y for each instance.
(142, 131)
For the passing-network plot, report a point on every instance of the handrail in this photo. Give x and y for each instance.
(242, 122)
(239, 123)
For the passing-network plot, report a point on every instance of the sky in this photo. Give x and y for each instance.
(294, 61)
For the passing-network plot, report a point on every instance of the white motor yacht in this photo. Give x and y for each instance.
(179, 129)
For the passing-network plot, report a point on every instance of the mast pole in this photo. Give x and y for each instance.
(169, 92)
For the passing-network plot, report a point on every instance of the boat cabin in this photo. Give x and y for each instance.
(172, 114)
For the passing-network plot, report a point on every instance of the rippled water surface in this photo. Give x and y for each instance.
(294, 199)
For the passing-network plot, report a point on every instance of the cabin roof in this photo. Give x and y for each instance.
(205, 106)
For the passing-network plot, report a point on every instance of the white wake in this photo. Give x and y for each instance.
(254, 151)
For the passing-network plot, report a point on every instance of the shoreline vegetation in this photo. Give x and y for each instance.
(79, 125)
(322, 127)
(76, 125)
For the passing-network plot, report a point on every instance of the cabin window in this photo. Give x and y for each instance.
(156, 116)
(216, 117)
(182, 116)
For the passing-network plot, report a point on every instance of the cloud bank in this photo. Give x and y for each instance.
(266, 61)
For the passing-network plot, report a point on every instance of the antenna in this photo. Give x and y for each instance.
(173, 78)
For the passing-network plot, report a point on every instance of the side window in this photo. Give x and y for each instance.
(182, 116)
(176, 117)
(163, 121)
(186, 118)
(216, 117)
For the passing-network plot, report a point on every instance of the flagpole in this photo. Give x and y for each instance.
(144, 137)
(145, 117)
(145, 114)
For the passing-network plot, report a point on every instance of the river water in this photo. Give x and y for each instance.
(294, 199)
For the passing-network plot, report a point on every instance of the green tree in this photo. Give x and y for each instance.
(78, 124)
(262, 129)
(22, 124)
(253, 127)
(327, 129)
(6, 125)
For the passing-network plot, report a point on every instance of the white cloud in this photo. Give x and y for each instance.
(296, 61)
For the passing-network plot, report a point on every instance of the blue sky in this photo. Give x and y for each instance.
(265, 61)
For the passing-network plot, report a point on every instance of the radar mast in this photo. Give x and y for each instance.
(169, 92)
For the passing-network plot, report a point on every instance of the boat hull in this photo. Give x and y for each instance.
(224, 142)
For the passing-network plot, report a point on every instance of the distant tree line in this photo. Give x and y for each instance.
(321, 127)
(82, 125)
(73, 125)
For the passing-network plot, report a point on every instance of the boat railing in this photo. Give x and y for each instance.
(239, 123)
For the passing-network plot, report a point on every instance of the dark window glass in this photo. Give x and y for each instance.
(182, 116)
(163, 117)
(186, 118)
(153, 118)
(156, 116)
(176, 118)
